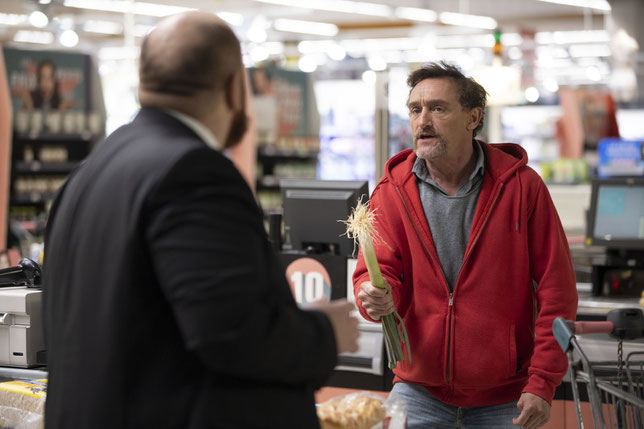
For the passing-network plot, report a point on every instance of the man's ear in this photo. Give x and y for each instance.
(475, 118)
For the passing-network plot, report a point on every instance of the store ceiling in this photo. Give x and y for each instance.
(511, 16)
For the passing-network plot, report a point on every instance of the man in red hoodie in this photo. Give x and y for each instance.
(477, 262)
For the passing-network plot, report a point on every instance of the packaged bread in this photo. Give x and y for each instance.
(360, 410)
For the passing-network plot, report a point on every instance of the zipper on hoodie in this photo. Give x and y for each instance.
(449, 334)
(451, 294)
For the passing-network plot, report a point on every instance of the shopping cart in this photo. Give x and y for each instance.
(614, 388)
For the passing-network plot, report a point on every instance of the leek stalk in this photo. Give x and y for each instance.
(360, 228)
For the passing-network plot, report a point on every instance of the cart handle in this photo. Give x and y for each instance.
(623, 323)
(564, 330)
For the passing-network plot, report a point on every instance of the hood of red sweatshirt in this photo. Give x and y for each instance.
(506, 159)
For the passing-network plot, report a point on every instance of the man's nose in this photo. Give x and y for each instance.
(425, 118)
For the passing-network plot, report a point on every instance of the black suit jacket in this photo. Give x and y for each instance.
(164, 305)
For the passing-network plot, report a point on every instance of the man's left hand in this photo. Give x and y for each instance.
(535, 412)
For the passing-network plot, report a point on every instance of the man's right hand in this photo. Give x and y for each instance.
(344, 325)
(376, 302)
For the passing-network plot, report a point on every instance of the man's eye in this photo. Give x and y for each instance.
(438, 109)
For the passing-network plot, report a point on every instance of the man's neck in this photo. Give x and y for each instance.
(451, 173)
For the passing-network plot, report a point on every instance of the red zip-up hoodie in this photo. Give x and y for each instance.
(491, 338)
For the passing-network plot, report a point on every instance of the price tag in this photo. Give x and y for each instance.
(309, 281)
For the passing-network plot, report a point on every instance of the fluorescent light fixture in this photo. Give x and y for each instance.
(123, 6)
(336, 52)
(103, 27)
(593, 50)
(369, 77)
(306, 27)
(259, 53)
(116, 53)
(347, 6)
(465, 20)
(377, 63)
(68, 38)
(38, 19)
(593, 4)
(461, 41)
(29, 36)
(593, 73)
(12, 19)
(531, 94)
(569, 37)
(142, 30)
(551, 84)
(232, 18)
(308, 63)
(416, 14)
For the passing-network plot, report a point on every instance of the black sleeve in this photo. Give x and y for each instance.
(231, 302)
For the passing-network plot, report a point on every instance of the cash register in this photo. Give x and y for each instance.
(21, 329)
(616, 226)
(319, 261)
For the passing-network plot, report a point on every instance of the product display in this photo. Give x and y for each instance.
(360, 410)
(22, 403)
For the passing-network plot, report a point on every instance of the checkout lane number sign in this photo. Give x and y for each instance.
(309, 281)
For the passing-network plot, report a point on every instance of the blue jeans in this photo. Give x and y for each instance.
(425, 411)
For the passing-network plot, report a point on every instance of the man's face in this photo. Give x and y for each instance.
(239, 123)
(440, 125)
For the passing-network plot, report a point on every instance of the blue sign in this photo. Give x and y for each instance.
(617, 157)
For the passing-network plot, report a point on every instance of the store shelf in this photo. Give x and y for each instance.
(22, 167)
(31, 198)
(274, 152)
(52, 137)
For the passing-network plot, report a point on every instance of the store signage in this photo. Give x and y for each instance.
(309, 281)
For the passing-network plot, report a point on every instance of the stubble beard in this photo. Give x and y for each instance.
(429, 153)
(238, 127)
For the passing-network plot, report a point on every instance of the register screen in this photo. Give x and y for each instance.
(620, 213)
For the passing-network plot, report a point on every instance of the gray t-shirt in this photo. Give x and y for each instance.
(450, 217)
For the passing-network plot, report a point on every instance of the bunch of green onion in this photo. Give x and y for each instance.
(360, 229)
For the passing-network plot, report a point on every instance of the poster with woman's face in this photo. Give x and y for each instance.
(48, 81)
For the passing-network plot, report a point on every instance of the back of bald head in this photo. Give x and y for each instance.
(186, 56)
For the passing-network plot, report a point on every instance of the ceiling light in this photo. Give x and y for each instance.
(531, 94)
(103, 27)
(569, 37)
(232, 18)
(416, 14)
(465, 20)
(579, 51)
(336, 52)
(44, 1)
(12, 19)
(308, 63)
(68, 38)
(27, 36)
(142, 30)
(377, 63)
(369, 77)
(124, 6)
(361, 8)
(593, 73)
(307, 27)
(551, 84)
(259, 53)
(38, 19)
(593, 4)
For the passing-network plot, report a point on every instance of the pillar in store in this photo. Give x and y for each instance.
(627, 15)
(5, 149)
